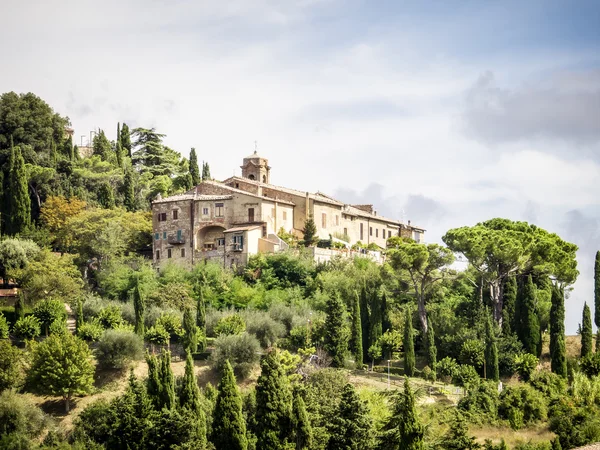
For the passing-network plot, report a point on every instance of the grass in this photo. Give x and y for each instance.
(538, 433)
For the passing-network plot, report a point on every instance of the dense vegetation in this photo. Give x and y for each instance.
(302, 354)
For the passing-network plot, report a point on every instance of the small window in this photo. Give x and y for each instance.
(162, 217)
(156, 236)
(179, 235)
(250, 215)
(285, 215)
(183, 252)
(208, 246)
(157, 254)
(264, 178)
(237, 185)
(389, 234)
(264, 231)
(370, 231)
(376, 232)
(219, 209)
(238, 242)
(323, 220)
(220, 242)
(164, 235)
(175, 214)
(168, 253)
(205, 211)
(337, 220)
(346, 231)
(383, 233)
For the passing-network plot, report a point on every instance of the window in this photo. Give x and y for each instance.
(168, 253)
(156, 236)
(237, 185)
(264, 231)
(383, 233)
(389, 234)
(183, 252)
(220, 242)
(175, 214)
(162, 217)
(370, 231)
(164, 235)
(205, 211)
(157, 254)
(285, 215)
(179, 235)
(323, 220)
(361, 232)
(208, 246)
(250, 214)
(218, 209)
(376, 232)
(346, 231)
(417, 236)
(264, 178)
(238, 242)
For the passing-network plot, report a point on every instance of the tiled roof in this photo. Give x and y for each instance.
(241, 191)
(179, 197)
(246, 228)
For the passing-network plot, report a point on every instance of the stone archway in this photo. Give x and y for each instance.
(209, 236)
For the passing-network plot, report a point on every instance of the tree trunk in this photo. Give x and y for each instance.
(67, 403)
(422, 313)
(497, 300)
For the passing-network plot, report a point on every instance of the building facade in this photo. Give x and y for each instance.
(231, 220)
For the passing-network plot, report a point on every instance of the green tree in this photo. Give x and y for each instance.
(228, 426)
(101, 146)
(190, 330)
(4, 330)
(12, 365)
(61, 366)
(336, 339)
(139, 306)
(50, 311)
(365, 320)
(201, 319)
(597, 296)
(205, 171)
(558, 352)
(126, 139)
(167, 382)
(106, 198)
(386, 320)
(509, 305)
(375, 316)
(153, 382)
(356, 342)
(301, 427)
(119, 154)
(424, 264)
(129, 190)
(27, 327)
(431, 348)
(194, 170)
(309, 232)
(189, 393)
(79, 320)
(457, 437)
(409, 346)
(586, 332)
(19, 306)
(273, 404)
(529, 325)
(15, 254)
(491, 349)
(403, 430)
(18, 218)
(351, 427)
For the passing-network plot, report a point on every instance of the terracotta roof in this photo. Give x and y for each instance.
(179, 197)
(241, 191)
(246, 228)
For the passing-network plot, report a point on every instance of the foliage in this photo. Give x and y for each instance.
(404, 429)
(12, 366)
(548, 383)
(457, 437)
(522, 405)
(230, 325)
(409, 346)
(18, 415)
(336, 337)
(447, 368)
(558, 352)
(574, 426)
(157, 335)
(597, 292)
(491, 350)
(27, 328)
(431, 349)
(472, 353)
(239, 351)
(481, 401)
(49, 311)
(166, 392)
(139, 308)
(528, 328)
(586, 332)
(466, 376)
(15, 254)
(309, 232)
(118, 348)
(171, 322)
(18, 218)
(90, 331)
(61, 366)
(301, 427)
(525, 364)
(590, 365)
(4, 330)
(266, 329)
(110, 317)
(352, 426)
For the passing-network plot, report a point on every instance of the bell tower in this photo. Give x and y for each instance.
(256, 168)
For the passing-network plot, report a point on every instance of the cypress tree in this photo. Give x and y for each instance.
(106, 197)
(403, 430)
(205, 171)
(128, 189)
(228, 427)
(19, 306)
(68, 148)
(301, 428)
(491, 350)
(409, 346)
(431, 348)
(189, 394)
(119, 154)
(201, 319)
(375, 319)
(335, 335)
(126, 139)
(153, 382)
(190, 337)
(597, 298)
(509, 306)
(558, 352)
(386, 321)
(529, 324)
(365, 322)
(140, 308)
(167, 383)
(351, 427)
(118, 138)
(53, 154)
(586, 332)
(74, 152)
(356, 344)
(79, 318)
(18, 218)
(556, 444)
(458, 437)
(273, 405)
(194, 170)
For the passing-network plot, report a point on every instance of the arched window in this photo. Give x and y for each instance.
(264, 178)
(251, 177)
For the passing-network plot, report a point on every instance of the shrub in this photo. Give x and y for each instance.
(266, 329)
(92, 306)
(525, 364)
(242, 351)
(172, 323)
(117, 348)
(509, 346)
(466, 376)
(585, 391)
(153, 313)
(548, 383)
(590, 365)
(128, 312)
(49, 311)
(472, 353)
(90, 331)
(229, 325)
(3, 327)
(298, 338)
(110, 317)
(20, 416)
(522, 405)
(12, 372)
(575, 427)
(157, 335)
(27, 327)
(446, 368)
(428, 374)
(481, 401)
(290, 316)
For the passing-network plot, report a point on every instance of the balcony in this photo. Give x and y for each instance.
(176, 240)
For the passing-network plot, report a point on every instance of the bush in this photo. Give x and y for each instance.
(509, 346)
(128, 312)
(575, 427)
(446, 369)
(525, 364)
(3, 327)
(585, 391)
(110, 317)
(90, 331)
(117, 348)
(92, 307)
(12, 373)
(27, 327)
(242, 351)
(428, 374)
(157, 335)
(289, 316)
(155, 312)
(590, 365)
(261, 325)
(229, 325)
(481, 401)
(472, 353)
(50, 311)
(522, 405)
(20, 416)
(548, 383)
(466, 376)
(172, 323)
(298, 338)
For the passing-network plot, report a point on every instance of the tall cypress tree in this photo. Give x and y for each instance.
(118, 138)
(491, 349)
(201, 319)
(301, 427)
(431, 348)
(18, 218)
(228, 427)
(20, 306)
(336, 343)
(529, 324)
(153, 382)
(386, 320)
(140, 308)
(509, 305)
(68, 148)
(409, 346)
(558, 352)
(365, 322)
(273, 405)
(190, 337)
(129, 189)
(597, 299)
(189, 393)
(119, 154)
(167, 383)
(356, 342)
(205, 171)
(194, 170)
(403, 430)
(351, 427)
(586, 332)
(126, 139)
(458, 437)
(375, 319)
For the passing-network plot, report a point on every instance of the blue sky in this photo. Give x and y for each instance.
(446, 113)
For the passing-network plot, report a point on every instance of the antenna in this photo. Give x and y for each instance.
(255, 147)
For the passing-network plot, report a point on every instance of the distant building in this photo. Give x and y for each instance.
(231, 220)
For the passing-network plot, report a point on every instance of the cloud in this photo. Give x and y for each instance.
(564, 106)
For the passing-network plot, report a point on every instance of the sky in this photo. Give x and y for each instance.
(445, 113)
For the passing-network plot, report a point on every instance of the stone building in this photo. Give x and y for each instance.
(231, 220)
